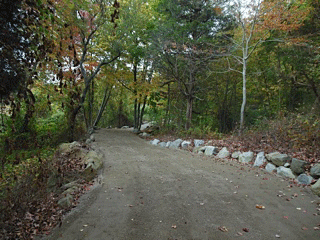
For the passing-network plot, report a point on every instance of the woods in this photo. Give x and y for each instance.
(192, 67)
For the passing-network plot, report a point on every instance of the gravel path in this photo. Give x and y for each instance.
(147, 192)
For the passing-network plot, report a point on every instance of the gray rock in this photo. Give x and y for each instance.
(287, 165)
(315, 188)
(66, 202)
(224, 153)
(236, 154)
(277, 158)
(285, 172)
(168, 144)
(135, 130)
(155, 142)
(71, 190)
(246, 157)
(297, 166)
(144, 134)
(260, 160)
(94, 160)
(198, 142)
(270, 167)
(176, 144)
(163, 144)
(210, 150)
(200, 149)
(125, 127)
(315, 171)
(70, 185)
(304, 179)
(185, 144)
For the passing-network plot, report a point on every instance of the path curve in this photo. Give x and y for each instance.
(147, 192)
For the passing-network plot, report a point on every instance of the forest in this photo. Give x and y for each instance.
(193, 68)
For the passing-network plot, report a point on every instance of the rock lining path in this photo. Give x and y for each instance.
(145, 192)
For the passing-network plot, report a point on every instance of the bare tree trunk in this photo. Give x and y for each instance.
(167, 119)
(244, 95)
(189, 112)
(142, 112)
(135, 123)
(103, 105)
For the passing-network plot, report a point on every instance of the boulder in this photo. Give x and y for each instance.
(285, 172)
(185, 144)
(224, 153)
(260, 160)
(70, 185)
(198, 143)
(236, 154)
(297, 166)
(91, 139)
(287, 165)
(168, 144)
(67, 147)
(71, 190)
(210, 150)
(155, 142)
(270, 167)
(200, 149)
(277, 158)
(162, 144)
(144, 134)
(315, 188)
(304, 179)
(246, 157)
(73, 149)
(93, 159)
(315, 171)
(176, 144)
(66, 202)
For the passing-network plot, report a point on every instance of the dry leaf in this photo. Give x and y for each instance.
(174, 226)
(316, 228)
(239, 234)
(223, 229)
(245, 229)
(260, 207)
(304, 228)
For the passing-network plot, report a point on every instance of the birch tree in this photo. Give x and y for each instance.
(257, 20)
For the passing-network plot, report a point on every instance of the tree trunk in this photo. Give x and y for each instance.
(189, 112)
(167, 119)
(30, 102)
(103, 105)
(136, 116)
(142, 112)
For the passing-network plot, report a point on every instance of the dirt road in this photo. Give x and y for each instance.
(147, 192)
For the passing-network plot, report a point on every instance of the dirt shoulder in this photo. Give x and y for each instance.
(147, 192)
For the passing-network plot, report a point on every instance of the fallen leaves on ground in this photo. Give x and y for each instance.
(223, 229)
(260, 207)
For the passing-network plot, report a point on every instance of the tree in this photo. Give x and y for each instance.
(188, 39)
(23, 48)
(86, 43)
(258, 20)
(135, 27)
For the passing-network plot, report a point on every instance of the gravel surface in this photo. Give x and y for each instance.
(147, 192)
